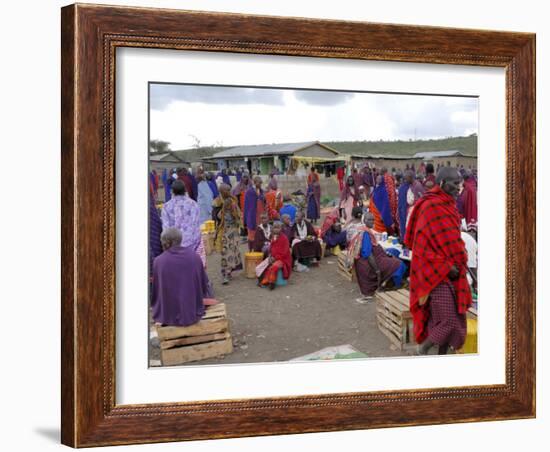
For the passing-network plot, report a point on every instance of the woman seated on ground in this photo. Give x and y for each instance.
(287, 227)
(374, 268)
(355, 223)
(279, 258)
(260, 244)
(305, 245)
(335, 237)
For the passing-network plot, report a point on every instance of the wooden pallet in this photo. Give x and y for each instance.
(394, 318)
(343, 270)
(209, 338)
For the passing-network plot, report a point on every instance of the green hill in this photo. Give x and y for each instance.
(467, 145)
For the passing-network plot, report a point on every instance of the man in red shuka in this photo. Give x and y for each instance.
(439, 291)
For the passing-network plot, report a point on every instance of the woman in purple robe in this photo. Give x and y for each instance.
(402, 208)
(314, 201)
(212, 184)
(183, 213)
(180, 284)
(254, 207)
(223, 174)
(155, 229)
(334, 237)
(165, 177)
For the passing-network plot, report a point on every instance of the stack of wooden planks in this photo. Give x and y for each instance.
(209, 338)
(343, 270)
(394, 318)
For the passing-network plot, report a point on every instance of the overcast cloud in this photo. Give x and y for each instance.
(231, 116)
(163, 95)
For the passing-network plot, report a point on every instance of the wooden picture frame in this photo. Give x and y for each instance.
(90, 36)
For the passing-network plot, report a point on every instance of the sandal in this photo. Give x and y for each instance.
(364, 300)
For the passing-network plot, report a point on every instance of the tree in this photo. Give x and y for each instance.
(159, 146)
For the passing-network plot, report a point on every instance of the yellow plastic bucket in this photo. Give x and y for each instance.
(251, 260)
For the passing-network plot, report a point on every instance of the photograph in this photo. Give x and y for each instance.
(290, 224)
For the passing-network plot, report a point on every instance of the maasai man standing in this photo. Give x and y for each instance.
(227, 215)
(154, 178)
(313, 196)
(467, 201)
(239, 174)
(305, 245)
(429, 182)
(279, 258)
(340, 175)
(224, 176)
(273, 199)
(439, 291)
(392, 192)
(379, 206)
(272, 184)
(194, 184)
(240, 189)
(180, 284)
(167, 184)
(357, 177)
(183, 175)
(402, 205)
(407, 198)
(367, 179)
(349, 198)
(254, 206)
(212, 184)
(183, 213)
(372, 265)
(204, 199)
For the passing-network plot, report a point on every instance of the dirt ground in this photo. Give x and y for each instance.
(316, 309)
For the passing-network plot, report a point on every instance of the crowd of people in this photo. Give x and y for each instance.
(432, 215)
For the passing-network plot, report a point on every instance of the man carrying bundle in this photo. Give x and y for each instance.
(439, 291)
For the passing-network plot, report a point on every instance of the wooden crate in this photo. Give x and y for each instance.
(343, 270)
(394, 318)
(209, 338)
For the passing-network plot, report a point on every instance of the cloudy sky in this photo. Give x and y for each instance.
(185, 115)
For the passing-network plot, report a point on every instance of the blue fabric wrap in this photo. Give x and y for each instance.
(402, 208)
(382, 203)
(398, 275)
(366, 246)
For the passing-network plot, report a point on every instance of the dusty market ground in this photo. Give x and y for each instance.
(315, 310)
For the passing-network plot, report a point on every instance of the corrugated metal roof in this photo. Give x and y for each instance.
(390, 157)
(162, 157)
(433, 154)
(265, 149)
